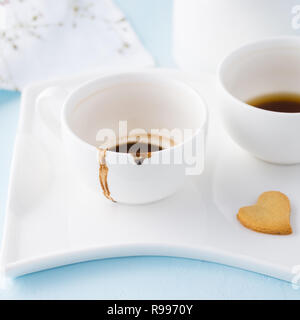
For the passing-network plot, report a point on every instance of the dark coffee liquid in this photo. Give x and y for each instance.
(278, 102)
(136, 148)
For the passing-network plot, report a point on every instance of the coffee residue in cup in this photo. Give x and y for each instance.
(139, 150)
(278, 102)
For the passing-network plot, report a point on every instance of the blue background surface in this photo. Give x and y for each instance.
(138, 277)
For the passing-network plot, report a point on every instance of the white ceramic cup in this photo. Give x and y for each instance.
(255, 69)
(146, 101)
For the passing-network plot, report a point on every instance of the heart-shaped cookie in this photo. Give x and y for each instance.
(271, 214)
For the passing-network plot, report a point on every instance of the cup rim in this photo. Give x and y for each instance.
(116, 78)
(252, 46)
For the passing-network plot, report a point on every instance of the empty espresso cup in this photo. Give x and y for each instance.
(256, 69)
(93, 119)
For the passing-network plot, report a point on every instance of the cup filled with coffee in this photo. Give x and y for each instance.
(132, 137)
(259, 98)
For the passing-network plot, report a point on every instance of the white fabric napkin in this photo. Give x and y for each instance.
(43, 39)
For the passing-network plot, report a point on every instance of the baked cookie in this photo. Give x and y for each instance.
(271, 214)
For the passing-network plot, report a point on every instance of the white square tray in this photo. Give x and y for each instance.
(51, 220)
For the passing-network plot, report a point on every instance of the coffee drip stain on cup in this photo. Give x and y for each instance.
(140, 147)
(103, 172)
